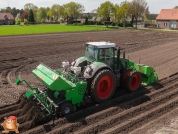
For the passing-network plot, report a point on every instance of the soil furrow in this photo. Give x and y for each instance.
(156, 123)
(143, 118)
(6, 109)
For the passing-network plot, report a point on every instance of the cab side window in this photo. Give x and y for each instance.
(105, 53)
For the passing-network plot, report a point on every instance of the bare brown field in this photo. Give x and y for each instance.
(151, 109)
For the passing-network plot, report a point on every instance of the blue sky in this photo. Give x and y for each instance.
(154, 5)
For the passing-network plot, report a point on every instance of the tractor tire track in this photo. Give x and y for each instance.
(8, 78)
(3, 76)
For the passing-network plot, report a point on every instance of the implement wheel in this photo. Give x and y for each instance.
(103, 86)
(66, 108)
(133, 81)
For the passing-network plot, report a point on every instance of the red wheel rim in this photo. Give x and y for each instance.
(125, 77)
(105, 87)
(135, 81)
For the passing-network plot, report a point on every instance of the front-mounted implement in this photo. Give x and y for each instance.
(62, 94)
(94, 76)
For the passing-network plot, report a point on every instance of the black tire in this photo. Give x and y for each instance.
(124, 74)
(133, 81)
(89, 82)
(103, 86)
(66, 108)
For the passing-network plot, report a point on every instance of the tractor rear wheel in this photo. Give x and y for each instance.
(66, 108)
(103, 86)
(124, 75)
(133, 81)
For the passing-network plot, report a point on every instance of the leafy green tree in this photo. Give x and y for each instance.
(146, 16)
(115, 17)
(105, 10)
(31, 6)
(152, 16)
(64, 14)
(122, 11)
(17, 19)
(31, 16)
(176, 7)
(41, 14)
(73, 10)
(137, 8)
(147, 13)
(61, 11)
(13, 11)
(54, 12)
(8, 9)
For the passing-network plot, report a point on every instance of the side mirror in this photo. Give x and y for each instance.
(18, 81)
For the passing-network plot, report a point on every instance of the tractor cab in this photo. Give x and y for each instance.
(100, 52)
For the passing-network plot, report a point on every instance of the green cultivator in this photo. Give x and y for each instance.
(61, 88)
(95, 76)
(148, 74)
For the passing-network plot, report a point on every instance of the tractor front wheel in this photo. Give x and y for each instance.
(133, 81)
(66, 108)
(103, 86)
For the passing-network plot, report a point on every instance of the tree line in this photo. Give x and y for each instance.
(133, 10)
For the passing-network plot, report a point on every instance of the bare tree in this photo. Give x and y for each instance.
(137, 8)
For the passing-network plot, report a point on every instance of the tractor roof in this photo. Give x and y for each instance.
(102, 44)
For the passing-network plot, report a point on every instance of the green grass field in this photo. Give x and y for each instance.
(46, 28)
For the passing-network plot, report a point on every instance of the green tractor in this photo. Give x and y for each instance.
(96, 75)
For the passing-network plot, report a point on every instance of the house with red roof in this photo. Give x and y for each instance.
(167, 18)
(6, 19)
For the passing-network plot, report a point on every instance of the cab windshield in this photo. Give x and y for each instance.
(91, 53)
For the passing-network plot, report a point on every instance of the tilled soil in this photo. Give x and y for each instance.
(135, 112)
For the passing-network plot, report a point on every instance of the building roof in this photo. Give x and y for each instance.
(168, 14)
(101, 44)
(9, 16)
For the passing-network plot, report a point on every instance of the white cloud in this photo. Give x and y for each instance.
(154, 5)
